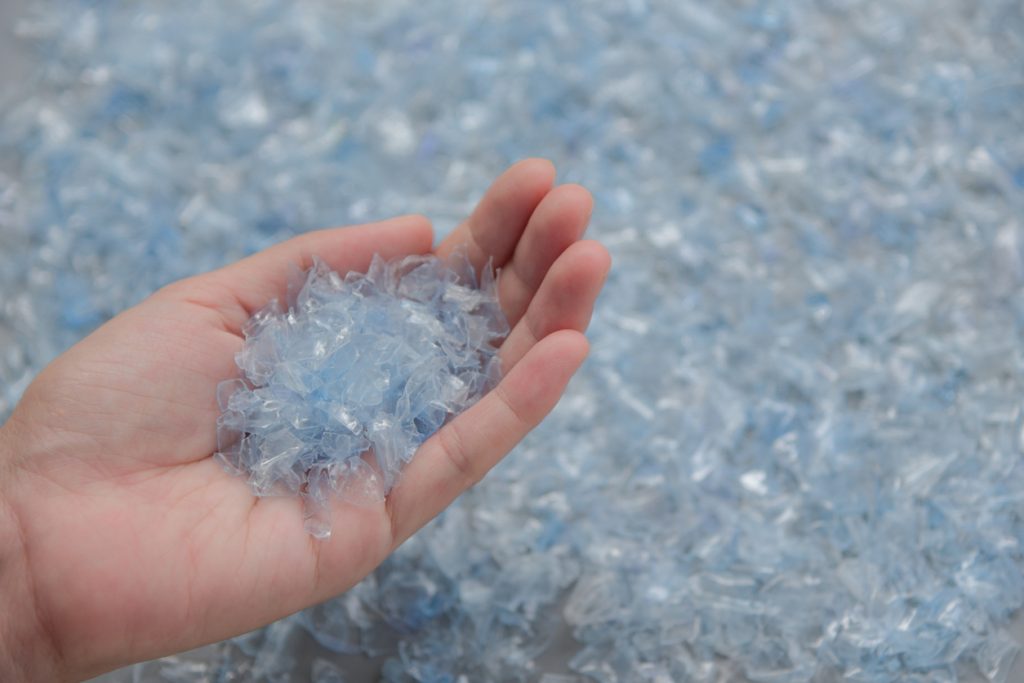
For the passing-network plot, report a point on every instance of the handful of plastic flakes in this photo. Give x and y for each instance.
(341, 388)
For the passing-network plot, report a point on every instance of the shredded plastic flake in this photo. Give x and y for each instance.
(340, 389)
(795, 454)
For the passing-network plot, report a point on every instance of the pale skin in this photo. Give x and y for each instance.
(121, 539)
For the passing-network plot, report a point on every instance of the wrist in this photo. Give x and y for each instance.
(23, 650)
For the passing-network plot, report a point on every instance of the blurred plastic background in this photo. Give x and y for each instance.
(795, 454)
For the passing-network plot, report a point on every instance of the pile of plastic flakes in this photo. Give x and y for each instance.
(794, 455)
(340, 390)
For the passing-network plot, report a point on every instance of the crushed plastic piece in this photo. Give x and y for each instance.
(324, 671)
(340, 389)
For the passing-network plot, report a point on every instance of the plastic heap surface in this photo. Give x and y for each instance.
(340, 389)
(795, 452)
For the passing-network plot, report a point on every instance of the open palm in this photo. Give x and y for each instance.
(135, 543)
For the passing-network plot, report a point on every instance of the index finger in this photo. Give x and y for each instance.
(493, 230)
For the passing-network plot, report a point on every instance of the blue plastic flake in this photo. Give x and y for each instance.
(340, 389)
(795, 452)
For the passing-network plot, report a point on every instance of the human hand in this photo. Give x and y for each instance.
(121, 539)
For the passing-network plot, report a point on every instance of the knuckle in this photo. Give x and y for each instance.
(453, 447)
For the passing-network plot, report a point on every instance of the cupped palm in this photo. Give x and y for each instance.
(136, 543)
